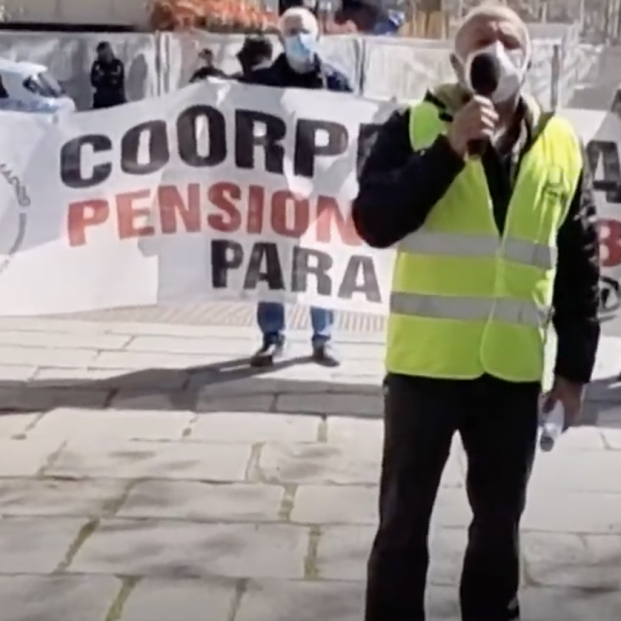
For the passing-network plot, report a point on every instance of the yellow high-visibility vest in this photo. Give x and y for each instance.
(466, 300)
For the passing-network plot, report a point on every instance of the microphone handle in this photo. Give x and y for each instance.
(476, 148)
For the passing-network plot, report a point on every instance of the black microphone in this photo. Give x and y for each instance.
(484, 79)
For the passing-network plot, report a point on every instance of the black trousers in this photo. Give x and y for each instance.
(497, 422)
(100, 102)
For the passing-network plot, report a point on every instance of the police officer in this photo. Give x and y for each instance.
(107, 78)
(487, 246)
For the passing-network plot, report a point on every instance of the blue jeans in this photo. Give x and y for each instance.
(271, 320)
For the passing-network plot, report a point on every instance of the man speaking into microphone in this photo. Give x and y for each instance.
(490, 206)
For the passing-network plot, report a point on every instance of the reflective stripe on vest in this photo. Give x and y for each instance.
(469, 309)
(454, 245)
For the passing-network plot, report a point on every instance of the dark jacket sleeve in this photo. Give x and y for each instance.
(264, 76)
(576, 289)
(122, 74)
(337, 81)
(117, 75)
(398, 187)
(96, 75)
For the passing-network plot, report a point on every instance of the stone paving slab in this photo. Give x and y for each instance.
(303, 601)
(186, 600)
(47, 497)
(194, 500)
(80, 424)
(174, 548)
(196, 487)
(36, 545)
(26, 459)
(56, 598)
(139, 460)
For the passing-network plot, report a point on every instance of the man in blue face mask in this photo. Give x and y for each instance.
(299, 66)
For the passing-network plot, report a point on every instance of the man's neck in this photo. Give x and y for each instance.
(508, 113)
(510, 126)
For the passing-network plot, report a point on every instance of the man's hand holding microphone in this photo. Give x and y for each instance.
(475, 124)
(473, 127)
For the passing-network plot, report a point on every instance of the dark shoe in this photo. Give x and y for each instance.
(270, 352)
(324, 354)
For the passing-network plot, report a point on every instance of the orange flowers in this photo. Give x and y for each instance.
(214, 15)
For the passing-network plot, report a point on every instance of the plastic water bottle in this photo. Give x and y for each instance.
(552, 427)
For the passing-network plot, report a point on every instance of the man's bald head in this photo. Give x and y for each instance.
(488, 23)
(298, 20)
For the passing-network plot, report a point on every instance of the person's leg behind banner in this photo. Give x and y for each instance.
(499, 438)
(420, 419)
(322, 321)
(271, 321)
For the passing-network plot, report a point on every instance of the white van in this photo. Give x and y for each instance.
(29, 87)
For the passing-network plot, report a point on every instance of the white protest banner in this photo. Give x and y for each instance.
(214, 192)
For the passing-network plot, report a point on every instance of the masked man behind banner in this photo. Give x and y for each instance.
(299, 66)
(490, 206)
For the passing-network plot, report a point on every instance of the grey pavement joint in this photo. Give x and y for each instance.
(147, 473)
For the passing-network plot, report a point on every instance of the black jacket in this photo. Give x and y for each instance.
(108, 82)
(206, 72)
(280, 74)
(398, 189)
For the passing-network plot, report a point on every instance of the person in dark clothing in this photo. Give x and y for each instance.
(255, 53)
(412, 197)
(208, 69)
(107, 78)
(299, 66)
(368, 16)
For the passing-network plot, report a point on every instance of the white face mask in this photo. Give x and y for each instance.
(513, 65)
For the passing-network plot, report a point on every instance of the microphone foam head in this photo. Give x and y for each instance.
(484, 74)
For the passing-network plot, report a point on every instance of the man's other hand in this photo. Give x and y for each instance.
(570, 396)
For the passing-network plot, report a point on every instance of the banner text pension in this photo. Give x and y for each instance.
(222, 207)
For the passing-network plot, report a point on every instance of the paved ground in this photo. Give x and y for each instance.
(230, 314)
(146, 475)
